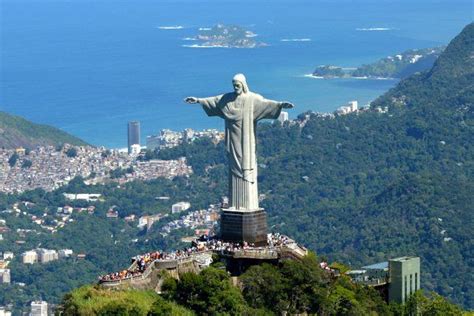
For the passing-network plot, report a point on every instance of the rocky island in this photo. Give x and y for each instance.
(227, 36)
(398, 66)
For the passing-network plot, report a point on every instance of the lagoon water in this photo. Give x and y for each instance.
(89, 67)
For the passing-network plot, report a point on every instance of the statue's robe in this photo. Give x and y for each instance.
(241, 113)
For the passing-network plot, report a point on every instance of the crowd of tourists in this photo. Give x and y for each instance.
(277, 239)
(205, 243)
(141, 262)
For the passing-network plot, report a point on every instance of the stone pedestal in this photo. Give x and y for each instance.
(240, 226)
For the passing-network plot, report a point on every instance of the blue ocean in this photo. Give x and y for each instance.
(90, 66)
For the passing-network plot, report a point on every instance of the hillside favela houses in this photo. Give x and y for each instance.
(50, 168)
(169, 139)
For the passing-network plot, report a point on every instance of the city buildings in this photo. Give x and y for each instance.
(47, 255)
(42, 255)
(180, 207)
(351, 107)
(5, 276)
(148, 220)
(135, 149)
(88, 197)
(51, 169)
(169, 139)
(205, 219)
(29, 257)
(133, 134)
(7, 255)
(283, 117)
(65, 253)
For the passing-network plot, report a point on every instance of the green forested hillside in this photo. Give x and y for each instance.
(365, 187)
(18, 132)
(399, 66)
(292, 288)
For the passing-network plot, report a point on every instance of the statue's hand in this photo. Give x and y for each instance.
(191, 100)
(287, 105)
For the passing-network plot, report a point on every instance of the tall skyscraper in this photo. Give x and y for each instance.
(133, 134)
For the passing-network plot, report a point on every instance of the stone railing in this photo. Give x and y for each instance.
(158, 264)
(264, 253)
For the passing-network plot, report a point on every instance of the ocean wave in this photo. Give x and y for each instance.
(374, 29)
(313, 76)
(357, 78)
(295, 40)
(171, 27)
(189, 39)
(374, 78)
(204, 46)
(204, 28)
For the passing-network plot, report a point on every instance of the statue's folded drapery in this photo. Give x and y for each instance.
(241, 113)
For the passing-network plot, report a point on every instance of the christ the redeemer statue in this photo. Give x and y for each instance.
(241, 110)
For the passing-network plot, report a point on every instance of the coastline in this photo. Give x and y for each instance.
(349, 77)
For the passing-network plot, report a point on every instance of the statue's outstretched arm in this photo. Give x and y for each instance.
(210, 105)
(282, 104)
(191, 100)
(269, 109)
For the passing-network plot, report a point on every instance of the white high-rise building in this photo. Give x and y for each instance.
(4, 311)
(180, 206)
(135, 149)
(133, 134)
(29, 256)
(283, 117)
(8, 255)
(64, 253)
(39, 308)
(148, 220)
(47, 255)
(353, 105)
(5, 276)
(188, 134)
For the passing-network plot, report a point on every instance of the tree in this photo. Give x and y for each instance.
(71, 152)
(26, 164)
(435, 305)
(209, 292)
(13, 159)
(263, 286)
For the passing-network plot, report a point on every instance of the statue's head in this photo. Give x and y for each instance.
(240, 84)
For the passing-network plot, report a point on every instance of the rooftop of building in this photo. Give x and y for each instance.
(377, 266)
(405, 258)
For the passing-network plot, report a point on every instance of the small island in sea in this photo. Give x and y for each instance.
(227, 36)
(398, 67)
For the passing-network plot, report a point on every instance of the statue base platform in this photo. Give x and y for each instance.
(244, 225)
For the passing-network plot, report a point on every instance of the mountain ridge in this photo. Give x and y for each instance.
(362, 187)
(17, 132)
